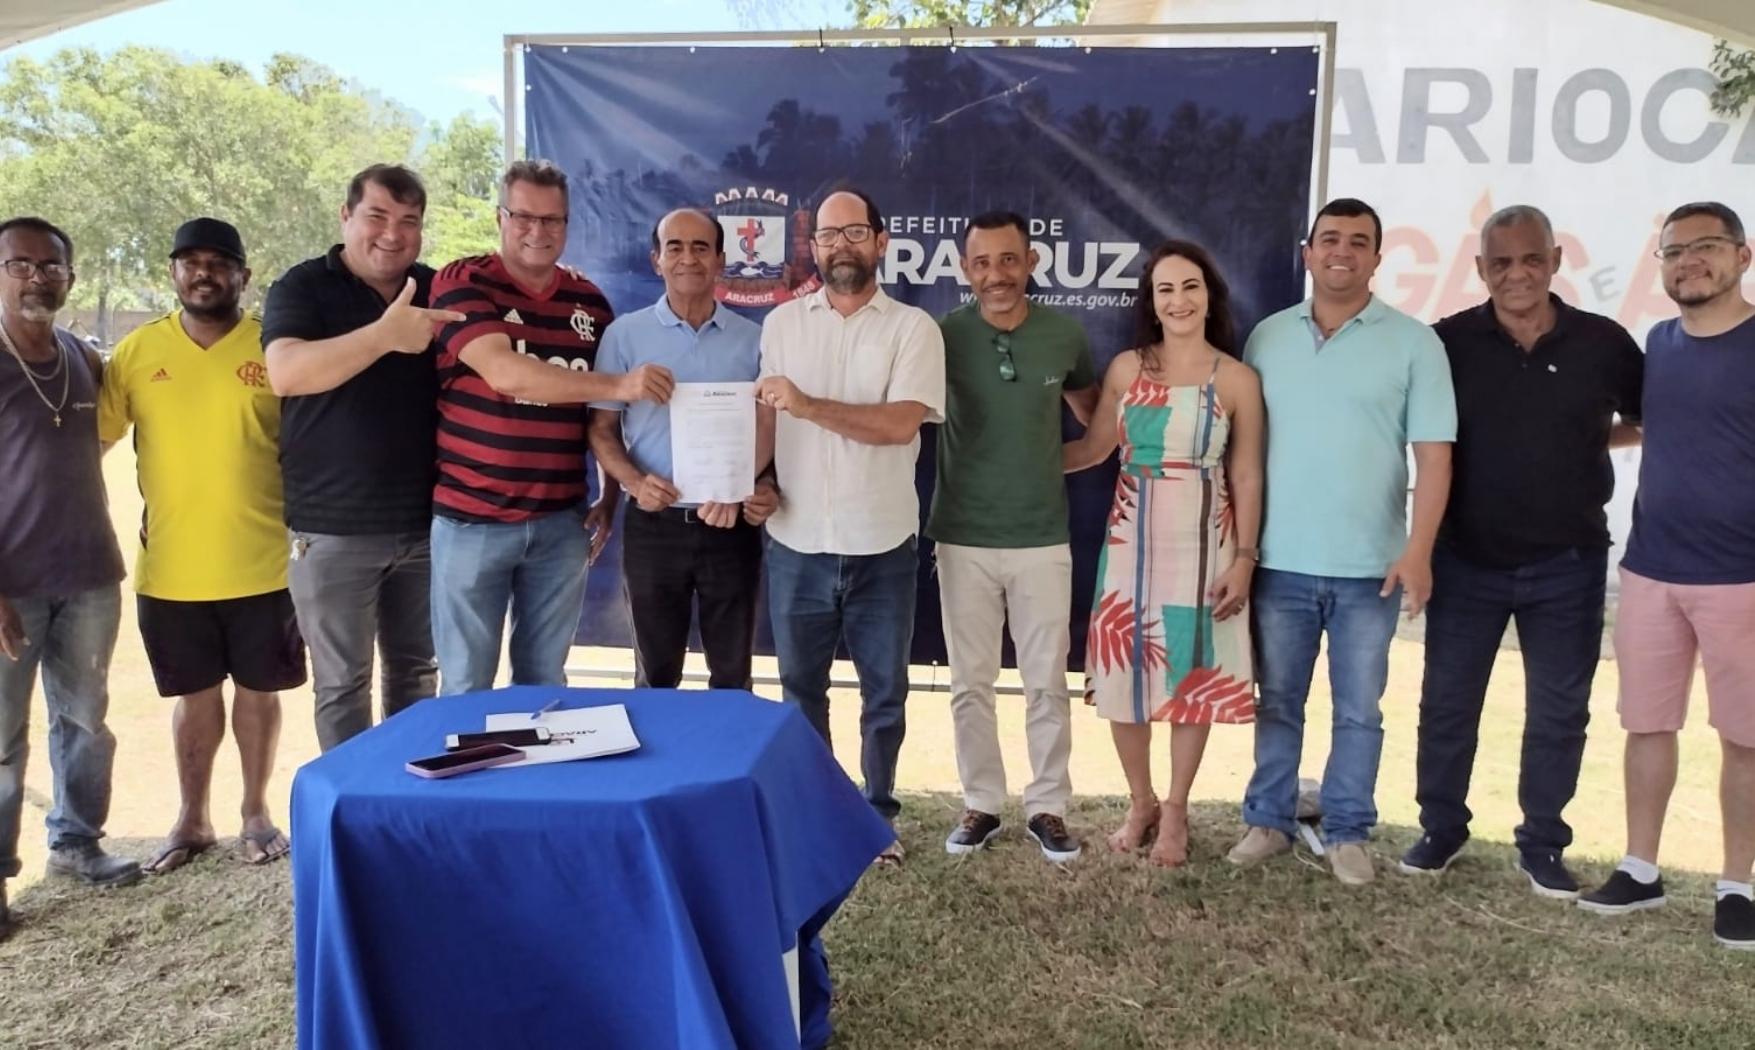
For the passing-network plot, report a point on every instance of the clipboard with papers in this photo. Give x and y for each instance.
(576, 733)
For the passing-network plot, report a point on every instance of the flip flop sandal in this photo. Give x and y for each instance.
(892, 855)
(187, 849)
(266, 840)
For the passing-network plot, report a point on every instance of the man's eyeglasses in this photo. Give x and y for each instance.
(1008, 368)
(526, 219)
(23, 269)
(1703, 246)
(856, 233)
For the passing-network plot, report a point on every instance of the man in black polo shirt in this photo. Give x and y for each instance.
(1538, 387)
(349, 350)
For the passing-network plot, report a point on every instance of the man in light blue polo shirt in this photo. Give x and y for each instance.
(677, 555)
(1349, 383)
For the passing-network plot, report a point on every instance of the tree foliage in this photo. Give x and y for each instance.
(119, 149)
(461, 168)
(1735, 69)
(919, 14)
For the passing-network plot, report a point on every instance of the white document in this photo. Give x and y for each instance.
(580, 732)
(713, 442)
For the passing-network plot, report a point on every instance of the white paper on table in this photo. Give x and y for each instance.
(713, 442)
(575, 733)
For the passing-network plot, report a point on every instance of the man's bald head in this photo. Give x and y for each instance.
(688, 251)
(669, 217)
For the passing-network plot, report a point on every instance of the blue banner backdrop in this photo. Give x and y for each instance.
(1107, 151)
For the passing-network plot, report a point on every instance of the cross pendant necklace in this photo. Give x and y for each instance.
(30, 377)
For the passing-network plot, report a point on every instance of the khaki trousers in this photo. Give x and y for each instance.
(980, 588)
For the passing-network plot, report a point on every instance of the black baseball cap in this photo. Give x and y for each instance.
(214, 234)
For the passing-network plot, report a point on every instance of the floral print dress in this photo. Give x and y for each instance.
(1155, 653)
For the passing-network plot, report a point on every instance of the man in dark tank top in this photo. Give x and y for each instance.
(60, 567)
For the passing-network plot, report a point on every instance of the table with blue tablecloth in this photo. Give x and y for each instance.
(645, 900)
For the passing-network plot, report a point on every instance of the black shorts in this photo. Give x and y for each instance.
(193, 646)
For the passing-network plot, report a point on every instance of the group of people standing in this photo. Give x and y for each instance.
(1262, 506)
(391, 463)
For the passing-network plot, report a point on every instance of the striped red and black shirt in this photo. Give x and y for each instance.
(502, 459)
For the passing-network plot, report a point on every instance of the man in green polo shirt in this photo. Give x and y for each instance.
(999, 519)
(1350, 382)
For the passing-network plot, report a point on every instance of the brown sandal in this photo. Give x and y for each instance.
(1171, 850)
(1118, 842)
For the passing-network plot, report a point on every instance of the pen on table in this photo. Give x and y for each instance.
(552, 705)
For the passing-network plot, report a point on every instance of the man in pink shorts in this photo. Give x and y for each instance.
(1688, 578)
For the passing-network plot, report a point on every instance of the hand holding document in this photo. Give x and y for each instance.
(713, 442)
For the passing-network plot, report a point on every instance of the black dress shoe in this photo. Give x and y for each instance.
(972, 833)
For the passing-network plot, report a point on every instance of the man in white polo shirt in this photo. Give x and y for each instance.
(852, 375)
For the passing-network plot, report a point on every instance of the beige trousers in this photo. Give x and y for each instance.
(980, 588)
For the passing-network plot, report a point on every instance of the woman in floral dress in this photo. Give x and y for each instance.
(1169, 638)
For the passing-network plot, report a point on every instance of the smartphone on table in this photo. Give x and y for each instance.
(516, 737)
(452, 763)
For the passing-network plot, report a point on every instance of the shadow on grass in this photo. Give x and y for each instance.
(1003, 950)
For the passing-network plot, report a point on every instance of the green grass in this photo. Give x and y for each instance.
(1002, 950)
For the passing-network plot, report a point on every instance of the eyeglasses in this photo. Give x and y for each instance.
(23, 269)
(856, 233)
(524, 218)
(1008, 368)
(1703, 246)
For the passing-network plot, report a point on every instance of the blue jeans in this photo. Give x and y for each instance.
(820, 600)
(1292, 611)
(537, 567)
(71, 639)
(1558, 604)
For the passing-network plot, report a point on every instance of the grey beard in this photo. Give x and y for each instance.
(846, 278)
(38, 314)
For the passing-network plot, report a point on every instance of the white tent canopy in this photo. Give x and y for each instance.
(26, 20)
(22, 20)
(1731, 19)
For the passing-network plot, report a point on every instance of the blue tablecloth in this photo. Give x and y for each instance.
(641, 900)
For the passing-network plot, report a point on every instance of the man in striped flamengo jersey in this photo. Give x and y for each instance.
(510, 525)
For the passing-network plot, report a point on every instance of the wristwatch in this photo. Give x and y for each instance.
(1251, 553)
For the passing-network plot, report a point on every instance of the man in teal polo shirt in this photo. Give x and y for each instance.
(678, 556)
(1349, 383)
(999, 519)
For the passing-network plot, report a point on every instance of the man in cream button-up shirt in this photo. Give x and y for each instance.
(852, 375)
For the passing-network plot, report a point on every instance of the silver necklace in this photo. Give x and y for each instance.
(31, 377)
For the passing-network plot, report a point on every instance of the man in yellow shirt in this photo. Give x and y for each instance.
(211, 575)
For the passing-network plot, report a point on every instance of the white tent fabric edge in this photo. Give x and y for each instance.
(1734, 20)
(22, 21)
